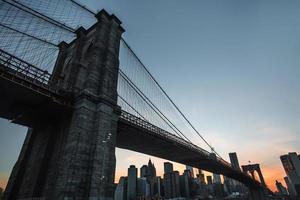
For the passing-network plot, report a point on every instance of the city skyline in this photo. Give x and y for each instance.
(138, 159)
(189, 183)
(242, 61)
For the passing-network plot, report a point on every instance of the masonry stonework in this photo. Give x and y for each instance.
(73, 156)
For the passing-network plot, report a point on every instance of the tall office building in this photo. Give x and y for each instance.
(151, 170)
(185, 183)
(144, 171)
(191, 170)
(143, 188)
(234, 161)
(171, 184)
(132, 183)
(156, 187)
(217, 178)
(168, 167)
(148, 171)
(201, 177)
(291, 165)
(209, 180)
(121, 190)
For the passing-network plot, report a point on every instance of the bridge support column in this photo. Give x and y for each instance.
(73, 156)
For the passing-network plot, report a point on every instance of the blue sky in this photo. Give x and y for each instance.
(233, 67)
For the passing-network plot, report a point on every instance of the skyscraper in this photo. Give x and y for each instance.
(201, 176)
(121, 190)
(185, 183)
(151, 170)
(168, 167)
(132, 183)
(171, 184)
(291, 165)
(156, 187)
(234, 161)
(143, 188)
(217, 178)
(191, 170)
(144, 171)
(209, 180)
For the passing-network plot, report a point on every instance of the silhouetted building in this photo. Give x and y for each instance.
(209, 180)
(185, 184)
(144, 171)
(291, 165)
(191, 170)
(171, 184)
(201, 176)
(168, 167)
(148, 171)
(143, 188)
(151, 169)
(132, 183)
(121, 190)
(217, 178)
(156, 187)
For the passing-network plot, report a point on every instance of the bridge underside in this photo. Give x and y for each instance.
(137, 139)
(23, 102)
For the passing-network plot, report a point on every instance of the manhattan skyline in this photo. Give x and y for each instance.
(233, 68)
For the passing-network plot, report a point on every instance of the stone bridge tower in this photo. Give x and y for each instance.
(73, 155)
(251, 168)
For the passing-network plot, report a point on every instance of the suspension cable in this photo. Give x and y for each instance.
(41, 16)
(34, 37)
(82, 6)
(133, 108)
(147, 100)
(168, 97)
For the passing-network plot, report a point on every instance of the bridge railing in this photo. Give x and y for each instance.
(148, 126)
(25, 70)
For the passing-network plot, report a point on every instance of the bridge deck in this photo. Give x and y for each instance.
(25, 92)
(132, 135)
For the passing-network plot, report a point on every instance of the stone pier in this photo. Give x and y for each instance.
(73, 155)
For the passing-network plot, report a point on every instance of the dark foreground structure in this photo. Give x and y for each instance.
(75, 122)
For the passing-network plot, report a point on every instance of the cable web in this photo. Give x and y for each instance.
(31, 31)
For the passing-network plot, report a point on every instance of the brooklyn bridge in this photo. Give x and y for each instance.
(75, 82)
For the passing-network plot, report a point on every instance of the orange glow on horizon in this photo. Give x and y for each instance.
(3, 183)
(271, 174)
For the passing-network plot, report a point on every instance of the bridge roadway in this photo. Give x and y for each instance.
(27, 94)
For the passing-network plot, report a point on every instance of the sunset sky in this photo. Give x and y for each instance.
(233, 67)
